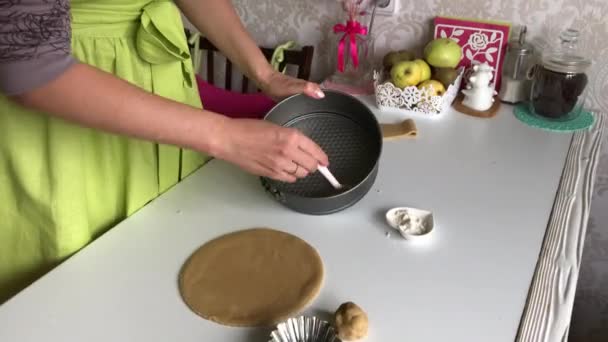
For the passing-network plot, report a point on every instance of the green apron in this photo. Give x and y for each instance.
(62, 185)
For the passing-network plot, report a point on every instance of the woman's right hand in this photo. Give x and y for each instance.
(119, 107)
(268, 150)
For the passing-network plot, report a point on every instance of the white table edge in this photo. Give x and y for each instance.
(548, 310)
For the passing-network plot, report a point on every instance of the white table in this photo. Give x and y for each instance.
(491, 183)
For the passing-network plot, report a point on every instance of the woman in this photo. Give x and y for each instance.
(98, 119)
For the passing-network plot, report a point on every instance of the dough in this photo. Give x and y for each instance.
(406, 128)
(351, 322)
(255, 277)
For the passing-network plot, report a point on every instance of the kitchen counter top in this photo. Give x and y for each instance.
(492, 186)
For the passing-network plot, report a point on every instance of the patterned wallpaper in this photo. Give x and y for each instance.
(272, 22)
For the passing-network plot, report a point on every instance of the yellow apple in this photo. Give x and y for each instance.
(436, 87)
(425, 70)
(405, 74)
(394, 57)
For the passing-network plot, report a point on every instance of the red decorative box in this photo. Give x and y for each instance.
(481, 41)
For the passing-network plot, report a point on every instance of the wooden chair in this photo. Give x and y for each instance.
(302, 59)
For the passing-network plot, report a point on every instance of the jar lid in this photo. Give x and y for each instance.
(567, 59)
(566, 63)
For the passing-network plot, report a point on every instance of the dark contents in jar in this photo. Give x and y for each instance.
(556, 94)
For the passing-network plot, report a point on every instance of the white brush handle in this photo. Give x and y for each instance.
(325, 172)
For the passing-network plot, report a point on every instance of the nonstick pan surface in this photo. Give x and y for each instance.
(350, 135)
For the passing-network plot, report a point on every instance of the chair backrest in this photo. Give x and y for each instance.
(302, 59)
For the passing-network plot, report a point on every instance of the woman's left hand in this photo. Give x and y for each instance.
(279, 86)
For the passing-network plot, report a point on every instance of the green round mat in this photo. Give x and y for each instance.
(569, 123)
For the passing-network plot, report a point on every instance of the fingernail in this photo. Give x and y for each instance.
(320, 94)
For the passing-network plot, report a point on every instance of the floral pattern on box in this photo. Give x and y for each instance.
(480, 41)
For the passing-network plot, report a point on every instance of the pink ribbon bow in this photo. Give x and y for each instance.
(351, 30)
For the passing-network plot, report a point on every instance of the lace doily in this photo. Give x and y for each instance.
(388, 96)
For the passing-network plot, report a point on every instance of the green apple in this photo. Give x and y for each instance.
(405, 74)
(425, 70)
(446, 76)
(443, 53)
(437, 88)
(393, 57)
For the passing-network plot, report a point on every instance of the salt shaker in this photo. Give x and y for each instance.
(515, 83)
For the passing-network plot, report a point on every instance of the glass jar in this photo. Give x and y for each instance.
(560, 80)
(348, 69)
(352, 70)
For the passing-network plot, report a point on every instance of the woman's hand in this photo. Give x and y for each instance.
(279, 86)
(268, 150)
(259, 147)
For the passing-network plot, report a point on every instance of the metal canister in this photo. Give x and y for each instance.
(515, 84)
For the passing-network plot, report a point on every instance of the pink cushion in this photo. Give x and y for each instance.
(233, 104)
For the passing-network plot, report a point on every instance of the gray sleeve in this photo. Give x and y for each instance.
(35, 43)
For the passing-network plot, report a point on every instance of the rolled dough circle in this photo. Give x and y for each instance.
(254, 277)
